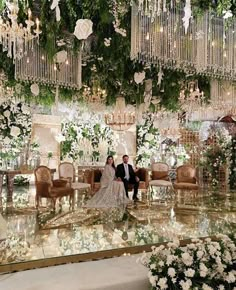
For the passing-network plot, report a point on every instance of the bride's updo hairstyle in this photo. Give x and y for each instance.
(113, 163)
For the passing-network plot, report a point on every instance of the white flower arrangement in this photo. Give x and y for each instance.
(81, 138)
(148, 142)
(202, 264)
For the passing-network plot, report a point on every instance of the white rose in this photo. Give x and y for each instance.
(163, 283)
(60, 56)
(185, 284)
(200, 254)
(206, 287)
(7, 114)
(15, 131)
(34, 89)
(83, 28)
(152, 280)
(187, 259)
(230, 278)
(171, 272)
(189, 273)
(7, 141)
(149, 137)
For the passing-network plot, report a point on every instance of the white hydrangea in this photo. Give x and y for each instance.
(162, 283)
(206, 287)
(189, 273)
(171, 272)
(200, 254)
(231, 278)
(186, 285)
(187, 259)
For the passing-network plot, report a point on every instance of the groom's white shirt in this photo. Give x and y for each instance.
(126, 167)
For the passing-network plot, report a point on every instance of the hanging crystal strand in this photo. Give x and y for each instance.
(164, 6)
(158, 7)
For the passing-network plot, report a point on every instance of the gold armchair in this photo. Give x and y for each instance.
(46, 187)
(67, 172)
(160, 177)
(186, 179)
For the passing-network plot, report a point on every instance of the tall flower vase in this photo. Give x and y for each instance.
(49, 162)
(49, 158)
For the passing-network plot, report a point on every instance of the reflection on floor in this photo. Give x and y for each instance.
(34, 235)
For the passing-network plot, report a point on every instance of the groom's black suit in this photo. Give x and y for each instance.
(120, 173)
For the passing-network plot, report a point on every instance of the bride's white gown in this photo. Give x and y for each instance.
(111, 193)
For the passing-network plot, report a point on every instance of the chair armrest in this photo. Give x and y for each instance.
(68, 179)
(60, 182)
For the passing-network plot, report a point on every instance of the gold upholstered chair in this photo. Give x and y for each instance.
(186, 179)
(67, 172)
(46, 187)
(160, 177)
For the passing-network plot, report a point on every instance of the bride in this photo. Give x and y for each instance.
(112, 192)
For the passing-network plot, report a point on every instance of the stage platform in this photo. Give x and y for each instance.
(42, 238)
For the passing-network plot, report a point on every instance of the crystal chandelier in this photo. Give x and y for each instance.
(14, 37)
(190, 98)
(36, 66)
(205, 48)
(120, 119)
(94, 95)
(168, 124)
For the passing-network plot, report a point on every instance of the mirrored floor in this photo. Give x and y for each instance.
(33, 235)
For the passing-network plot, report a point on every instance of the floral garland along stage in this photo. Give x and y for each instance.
(202, 264)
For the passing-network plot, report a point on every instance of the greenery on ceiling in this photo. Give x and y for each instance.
(109, 66)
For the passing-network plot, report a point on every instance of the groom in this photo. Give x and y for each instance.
(125, 172)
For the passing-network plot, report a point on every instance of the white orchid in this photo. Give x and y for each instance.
(227, 14)
(55, 5)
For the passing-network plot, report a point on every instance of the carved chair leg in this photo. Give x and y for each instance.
(72, 200)
(54, 199)
(37, 200)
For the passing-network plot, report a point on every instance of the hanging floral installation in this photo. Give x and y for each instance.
(103, 32)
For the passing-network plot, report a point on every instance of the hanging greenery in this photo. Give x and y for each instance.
(106, 57)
